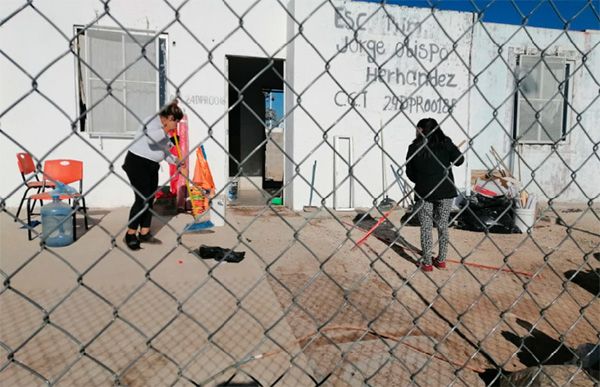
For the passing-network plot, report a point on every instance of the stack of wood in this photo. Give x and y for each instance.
(500, 174)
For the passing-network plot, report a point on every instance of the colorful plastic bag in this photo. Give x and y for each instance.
(203, 185)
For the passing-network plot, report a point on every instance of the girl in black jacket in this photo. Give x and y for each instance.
(429, 165)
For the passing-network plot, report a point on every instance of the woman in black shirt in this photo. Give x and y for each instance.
(430, 159)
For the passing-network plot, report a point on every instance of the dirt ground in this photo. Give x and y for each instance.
(381, 320)
(303, 308)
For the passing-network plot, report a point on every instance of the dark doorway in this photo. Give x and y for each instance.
(253, 84)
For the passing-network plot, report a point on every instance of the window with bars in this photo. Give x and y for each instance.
(121, 79)
(541, 102)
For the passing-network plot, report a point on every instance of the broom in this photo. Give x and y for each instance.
(198, 224)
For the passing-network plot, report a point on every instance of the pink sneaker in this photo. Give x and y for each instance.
(425, 267)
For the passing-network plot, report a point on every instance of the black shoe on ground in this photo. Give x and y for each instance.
(149, 238)
(209, 252)
(220, 254)
(233, 256)
(132, 242)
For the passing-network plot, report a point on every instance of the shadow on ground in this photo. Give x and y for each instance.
(402, 253)
(588, 280)
(537, 348)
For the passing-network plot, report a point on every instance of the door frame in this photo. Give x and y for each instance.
(336, 142)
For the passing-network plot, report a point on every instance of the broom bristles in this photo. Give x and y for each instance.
(198, 226)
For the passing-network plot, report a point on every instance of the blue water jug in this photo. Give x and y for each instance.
(57, 227)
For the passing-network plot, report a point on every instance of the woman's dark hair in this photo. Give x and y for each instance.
(431, 130)
(172, 110)
(430, 138)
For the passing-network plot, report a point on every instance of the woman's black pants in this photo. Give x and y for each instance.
(143, 176)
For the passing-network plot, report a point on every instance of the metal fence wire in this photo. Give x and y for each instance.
(314, 301)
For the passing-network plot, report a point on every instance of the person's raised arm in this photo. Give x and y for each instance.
(456, 156)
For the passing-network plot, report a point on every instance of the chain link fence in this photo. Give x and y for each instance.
(331, 289)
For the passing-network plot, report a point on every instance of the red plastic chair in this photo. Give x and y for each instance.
(67, 172)
(30, 179)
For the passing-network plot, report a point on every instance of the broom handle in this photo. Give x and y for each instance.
(372, 229)
(500, 160)
(312, 183)
(187, 182)
(383, 175)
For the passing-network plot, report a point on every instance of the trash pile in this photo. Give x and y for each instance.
(481, 213)
(497, 204)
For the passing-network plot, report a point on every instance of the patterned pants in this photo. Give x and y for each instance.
(428, 212)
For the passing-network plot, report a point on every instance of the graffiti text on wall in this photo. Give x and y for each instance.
(413, 57)
(411, 77)
(346, 19)
(418, 104)
(374, 49)
(195, 99)
(357, 99)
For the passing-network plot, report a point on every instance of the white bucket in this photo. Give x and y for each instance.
(524, 218)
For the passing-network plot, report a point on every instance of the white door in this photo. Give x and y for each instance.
(343, 198)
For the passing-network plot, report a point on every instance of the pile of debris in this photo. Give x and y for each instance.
(498, 203)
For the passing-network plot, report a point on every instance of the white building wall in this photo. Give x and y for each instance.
(495, 90)
(317, 77)
(45, 130)
(324, 69)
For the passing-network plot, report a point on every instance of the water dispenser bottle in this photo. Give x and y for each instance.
(57, 227)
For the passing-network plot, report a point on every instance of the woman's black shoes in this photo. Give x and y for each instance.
(149, 238)
(131, 240)
(134, 241)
